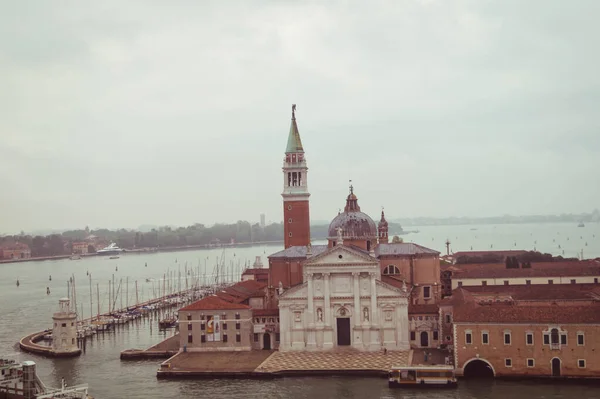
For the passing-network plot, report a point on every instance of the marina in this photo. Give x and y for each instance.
(101, 357)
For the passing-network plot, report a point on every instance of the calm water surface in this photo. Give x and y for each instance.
(27, 309)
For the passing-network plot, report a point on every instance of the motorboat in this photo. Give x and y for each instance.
(422, 377)
(112, 249)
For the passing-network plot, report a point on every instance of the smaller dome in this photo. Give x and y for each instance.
(354, 223)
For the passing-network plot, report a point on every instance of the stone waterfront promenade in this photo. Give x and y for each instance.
(271, 364)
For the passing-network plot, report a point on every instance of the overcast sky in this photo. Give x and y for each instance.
(122, 113)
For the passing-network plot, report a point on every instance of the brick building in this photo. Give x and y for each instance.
(214, 324)
(15, 250)
(537, 331)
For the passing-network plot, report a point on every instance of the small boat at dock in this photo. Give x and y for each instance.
(168, 322)
(422, 377)
(75, 257)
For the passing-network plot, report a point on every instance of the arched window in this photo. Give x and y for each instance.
(391, 269)
(554, 336)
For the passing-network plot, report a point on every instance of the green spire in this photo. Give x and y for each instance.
(294, 143)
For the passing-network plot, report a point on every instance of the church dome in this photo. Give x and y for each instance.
(354, 223)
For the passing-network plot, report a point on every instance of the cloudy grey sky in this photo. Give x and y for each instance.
(121, 113)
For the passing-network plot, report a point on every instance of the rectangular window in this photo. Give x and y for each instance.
(484, 283)
(189, 326)
(595, 280)
(581, 363)
(190, 339)
(435, 335)
(413, 336)
(506, 338)
(460, 283)
(224, 337)
(563, 339)
(546, 339)
(426, 292)
(237, 326)
(508, 362)
(277, 337)
(448, 318)
(550, 281)
(573, 281)
(528, 282)
(580, 339)
(255, 337)
(505, 282)
(485, 338)
(64, 324)
(202, 326)
(530, 363)
(237, 316)
(238, 337)
(202, 317)
(203, 338)
(224, 326)
(468, 338)
(529, 338)
(189, 317)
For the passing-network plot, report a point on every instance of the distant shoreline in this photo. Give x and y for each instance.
(146, 251)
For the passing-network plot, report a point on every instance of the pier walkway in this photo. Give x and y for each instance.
(271, 364)
(162, 350)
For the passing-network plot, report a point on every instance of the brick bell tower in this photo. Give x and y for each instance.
(296, 219)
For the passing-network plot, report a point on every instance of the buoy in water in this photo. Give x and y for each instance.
(146, 264)
(50, 278)
(18, 284)
(47, 290)
(117, 268)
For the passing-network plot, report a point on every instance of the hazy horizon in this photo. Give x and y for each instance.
(121, 114)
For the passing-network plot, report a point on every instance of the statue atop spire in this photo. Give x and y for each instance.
(293, 111)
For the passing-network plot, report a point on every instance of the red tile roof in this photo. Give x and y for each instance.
(256, 271)
(423, 309)
(538, 269)
(472, 254)
(239, 292)
(265, 312)
(213, 302)
(537, 292)
(516, 314)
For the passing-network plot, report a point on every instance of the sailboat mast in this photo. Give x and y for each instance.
(136, 294)
(91, 301)
(98, 298)
(127, 292)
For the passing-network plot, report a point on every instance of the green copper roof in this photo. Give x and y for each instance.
(294, 143)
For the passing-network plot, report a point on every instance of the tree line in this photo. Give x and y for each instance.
(194, 235)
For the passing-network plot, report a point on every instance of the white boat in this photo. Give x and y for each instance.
(75, 257)
(112, 249)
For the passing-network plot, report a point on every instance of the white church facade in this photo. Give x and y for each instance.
(342, 302)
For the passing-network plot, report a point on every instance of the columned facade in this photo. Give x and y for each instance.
(343, 303)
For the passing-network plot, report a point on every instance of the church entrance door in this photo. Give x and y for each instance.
(267, 341)
(424, 339)
(343, 331)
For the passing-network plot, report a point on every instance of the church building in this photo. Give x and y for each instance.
(358, 290)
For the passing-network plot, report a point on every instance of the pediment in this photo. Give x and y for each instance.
(297, 292)
(341, 254)
(384, 289)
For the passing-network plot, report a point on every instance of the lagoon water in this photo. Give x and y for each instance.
(27, 308)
